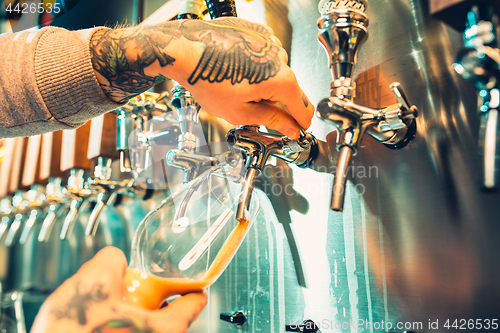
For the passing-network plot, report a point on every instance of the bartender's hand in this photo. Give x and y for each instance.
(92, 302)
(236, 70)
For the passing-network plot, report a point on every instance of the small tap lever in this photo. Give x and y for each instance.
(36, 200)
(393, 125)
(19, 205)
(258, 146)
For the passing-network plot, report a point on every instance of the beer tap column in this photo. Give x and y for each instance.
(479, 63)
(188, 110)
(185, 157)
(342, 31)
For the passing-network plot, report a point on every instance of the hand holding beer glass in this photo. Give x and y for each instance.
(186, 243)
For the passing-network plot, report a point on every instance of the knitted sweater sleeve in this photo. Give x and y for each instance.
(47, 82)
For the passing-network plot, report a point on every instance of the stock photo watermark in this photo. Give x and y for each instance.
(430, 324)
(284, 184)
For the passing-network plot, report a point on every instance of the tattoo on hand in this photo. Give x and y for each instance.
(78, 305)
(121, 57)
(123, 326)
(236, 51)
(305, 100)
(233, 50)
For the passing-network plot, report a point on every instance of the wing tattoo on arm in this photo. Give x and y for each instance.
(235, 50)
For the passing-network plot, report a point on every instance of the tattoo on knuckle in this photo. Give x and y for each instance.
(77, 306)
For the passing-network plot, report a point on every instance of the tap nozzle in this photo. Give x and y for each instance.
(258, 146)
(105, 189)
(191, 163)
(394, 126)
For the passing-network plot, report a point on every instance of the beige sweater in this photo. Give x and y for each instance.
(47, 82)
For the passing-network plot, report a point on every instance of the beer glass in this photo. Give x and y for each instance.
(186, 243)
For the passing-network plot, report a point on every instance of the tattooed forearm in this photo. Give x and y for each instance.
(233, 50)
(121, 57)
(77, 307)
(123, 326)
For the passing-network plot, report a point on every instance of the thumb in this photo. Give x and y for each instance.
(107, 268)
(179, 314)
(271, 116)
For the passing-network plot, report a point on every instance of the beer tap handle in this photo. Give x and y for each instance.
(31, 171)
(102, 148)
(9, 147)
(70, 220)
(103, 131)
(30, 177)
(74, 149)
(18, 162)
(50, 162)
(103, 199)
(50, 156)
(74, 159)
(48, 223)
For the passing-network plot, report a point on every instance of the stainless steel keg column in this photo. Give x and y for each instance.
(186, 106)
(185, 157)
(342, 31)
(188, 110)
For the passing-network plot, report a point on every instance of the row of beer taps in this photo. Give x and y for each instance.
(42, 204)
(342, 31)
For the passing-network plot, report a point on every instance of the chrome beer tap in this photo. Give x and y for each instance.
(184, 157)
(479, 63)
(188, 110)
(36, 201)
(135, 135)
(19, 208)
(105, 192)
(78, 195)
(135, 138)
(258, 146)
(343, 29)
(54, 199)
(7, 212)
